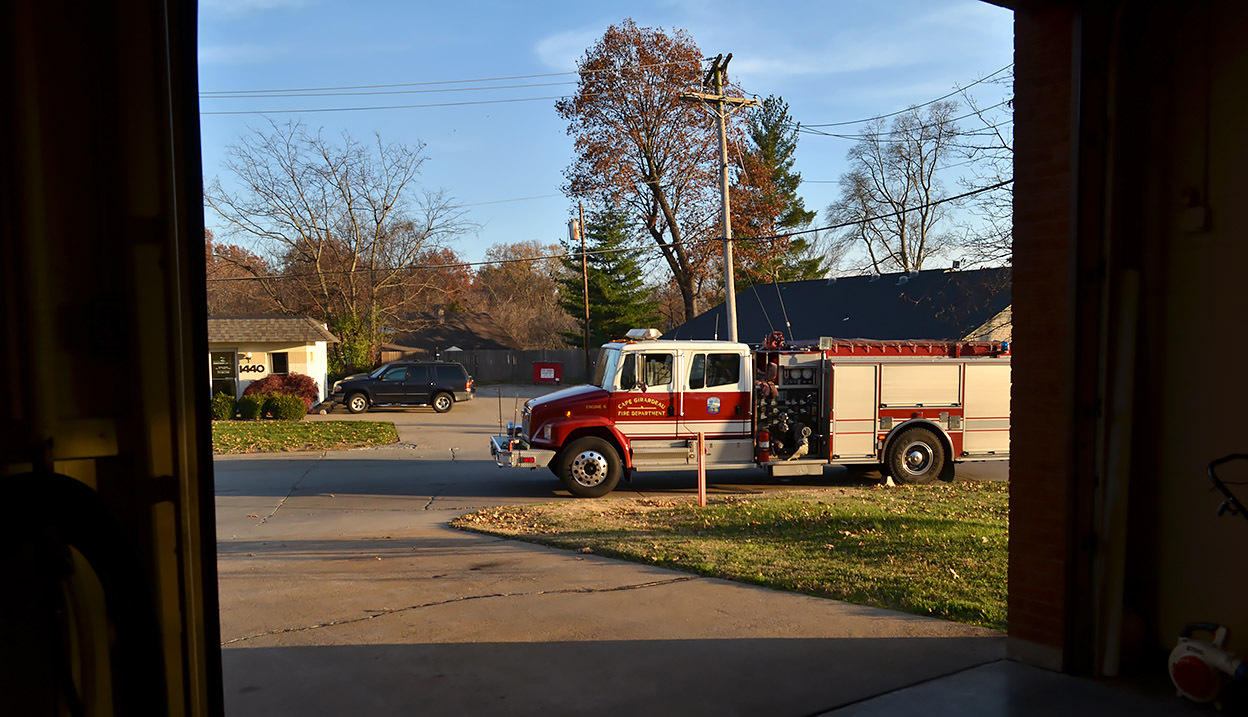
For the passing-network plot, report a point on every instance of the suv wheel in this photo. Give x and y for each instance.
(442, 402)
(357, 403)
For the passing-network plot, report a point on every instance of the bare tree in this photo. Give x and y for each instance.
(989, 241)
(344, 226)
(891, 194)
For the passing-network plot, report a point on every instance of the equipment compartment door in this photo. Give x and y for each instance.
(987, 414)
(854, 410)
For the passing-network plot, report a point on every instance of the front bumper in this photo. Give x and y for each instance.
(512, 452)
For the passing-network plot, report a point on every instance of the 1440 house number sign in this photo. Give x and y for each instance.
(251, 368)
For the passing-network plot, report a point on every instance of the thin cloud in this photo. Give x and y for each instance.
(842, 58)
(237, 8)
(975, 17)
(238, 54)
(563, 50)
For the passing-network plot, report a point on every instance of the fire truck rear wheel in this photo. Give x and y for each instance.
(589, 467)
(916, 456)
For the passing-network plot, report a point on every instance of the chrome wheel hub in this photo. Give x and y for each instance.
(589, 468)
(918, 458)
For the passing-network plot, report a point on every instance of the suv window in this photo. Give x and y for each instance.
(451, 373)
(397, 374)
(418, 374)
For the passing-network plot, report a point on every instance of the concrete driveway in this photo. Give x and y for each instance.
(343, 591)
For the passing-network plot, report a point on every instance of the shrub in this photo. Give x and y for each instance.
(291, 384)
(222, 407)
(285, 408)
(249, 407)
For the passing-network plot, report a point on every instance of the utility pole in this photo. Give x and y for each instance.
(576, 230)
(715, 78)
(580, 229)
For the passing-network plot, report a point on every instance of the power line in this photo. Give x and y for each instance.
(248, 96)
(385, 107)
(924, 104)
(504, 201)
(443, 82)
(807, 128)
(597, 252)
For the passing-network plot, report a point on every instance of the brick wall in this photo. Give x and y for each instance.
(1042, 450)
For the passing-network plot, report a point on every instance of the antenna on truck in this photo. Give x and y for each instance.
(788, 328)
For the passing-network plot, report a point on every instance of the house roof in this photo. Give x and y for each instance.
(468, 331)
(285, 329)
(934, 304)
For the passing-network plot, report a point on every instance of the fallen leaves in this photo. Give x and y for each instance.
(935, 550)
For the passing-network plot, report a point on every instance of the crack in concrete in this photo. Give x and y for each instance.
(463, 598)
(435, 496)
(293, 488)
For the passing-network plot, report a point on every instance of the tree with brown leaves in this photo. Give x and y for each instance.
(521, 292)
(642, 148)
(232, 288)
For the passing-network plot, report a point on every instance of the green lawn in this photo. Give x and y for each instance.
(274, 436)
(938, 550)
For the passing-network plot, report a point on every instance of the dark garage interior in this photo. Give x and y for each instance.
(1127, 301)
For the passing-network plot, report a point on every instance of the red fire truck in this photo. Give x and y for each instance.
(909, 409)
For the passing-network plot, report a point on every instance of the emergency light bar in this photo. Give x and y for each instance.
(642, 334)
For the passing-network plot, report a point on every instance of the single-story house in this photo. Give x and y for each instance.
(242, 349)
(971, 305)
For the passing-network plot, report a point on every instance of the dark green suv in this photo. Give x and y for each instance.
(406, 383)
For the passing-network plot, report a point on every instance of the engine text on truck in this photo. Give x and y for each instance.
(910, 408)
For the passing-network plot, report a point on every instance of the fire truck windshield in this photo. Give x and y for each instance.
(604, 372)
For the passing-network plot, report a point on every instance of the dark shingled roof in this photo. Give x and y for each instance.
(935, 304)
(283, 329)
(470, 331)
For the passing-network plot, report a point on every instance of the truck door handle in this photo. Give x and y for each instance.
(671, 410)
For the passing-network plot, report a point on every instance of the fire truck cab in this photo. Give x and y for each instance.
(910, 409)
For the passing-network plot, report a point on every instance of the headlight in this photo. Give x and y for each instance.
(546, 431)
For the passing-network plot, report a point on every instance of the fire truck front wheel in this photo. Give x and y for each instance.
(589, 467)
(916, 456)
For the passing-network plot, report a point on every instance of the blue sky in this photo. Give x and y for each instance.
(832, 61)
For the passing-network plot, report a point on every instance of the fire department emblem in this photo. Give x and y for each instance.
(712, 405)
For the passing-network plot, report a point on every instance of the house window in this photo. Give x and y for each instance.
(281, 362)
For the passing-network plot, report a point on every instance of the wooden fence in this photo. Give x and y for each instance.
(496, 366)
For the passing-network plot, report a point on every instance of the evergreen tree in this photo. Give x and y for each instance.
(773, 136)
(618, 299)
